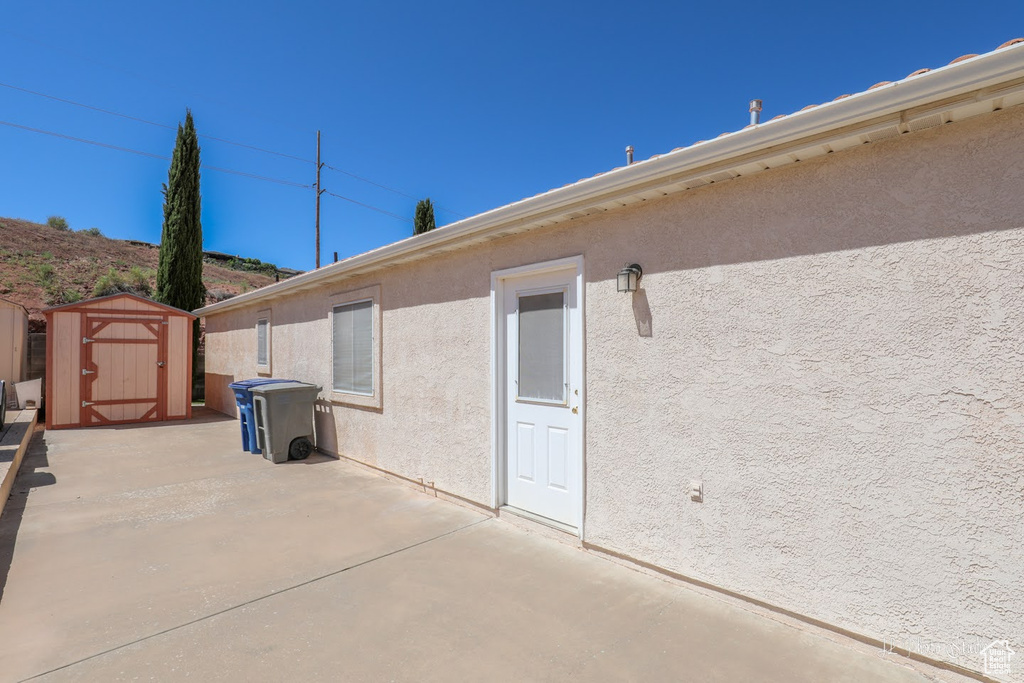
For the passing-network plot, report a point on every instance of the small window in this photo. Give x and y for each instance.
(263, 344)
(353, 348)
(542, 347)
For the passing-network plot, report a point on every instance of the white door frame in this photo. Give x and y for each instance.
(499, 407)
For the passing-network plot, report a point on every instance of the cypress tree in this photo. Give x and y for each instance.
(424, 220)
(179, 277)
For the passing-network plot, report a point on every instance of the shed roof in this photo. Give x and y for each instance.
(85, 303)
(968, 86)
(13, 304)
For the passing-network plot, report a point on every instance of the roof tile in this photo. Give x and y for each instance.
(963, 58)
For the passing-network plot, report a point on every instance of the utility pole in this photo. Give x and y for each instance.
(319, 191)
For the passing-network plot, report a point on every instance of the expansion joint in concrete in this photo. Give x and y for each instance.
(226, 610)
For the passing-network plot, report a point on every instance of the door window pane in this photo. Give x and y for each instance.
(353, 348)
(542, 347)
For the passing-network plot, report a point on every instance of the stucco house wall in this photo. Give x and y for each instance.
(834, 348)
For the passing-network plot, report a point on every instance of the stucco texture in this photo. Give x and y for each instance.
(834, 348)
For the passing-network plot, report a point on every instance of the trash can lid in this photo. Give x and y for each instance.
(258, 381)
(286, 387)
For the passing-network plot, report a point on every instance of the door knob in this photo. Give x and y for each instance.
(161, 363)
(575, 410)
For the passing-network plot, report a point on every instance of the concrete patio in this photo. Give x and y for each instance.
(165, 552)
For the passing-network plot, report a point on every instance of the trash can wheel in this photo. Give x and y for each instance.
(300, 448)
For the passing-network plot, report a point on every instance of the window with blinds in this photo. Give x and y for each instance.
(262, 342)
(542, 347)
(353, 348)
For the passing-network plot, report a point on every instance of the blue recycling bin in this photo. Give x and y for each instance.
(243, 399)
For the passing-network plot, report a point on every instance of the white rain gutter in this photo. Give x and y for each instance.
(940, 86)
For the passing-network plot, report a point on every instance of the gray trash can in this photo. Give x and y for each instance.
(284, 419)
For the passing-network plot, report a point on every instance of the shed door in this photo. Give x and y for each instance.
(124, 362)
(543, 336)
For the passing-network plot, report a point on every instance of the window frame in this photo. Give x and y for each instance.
(348, 298)
(564, 291)
(264, 316)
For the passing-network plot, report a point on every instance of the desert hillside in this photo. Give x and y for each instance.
(43, 266)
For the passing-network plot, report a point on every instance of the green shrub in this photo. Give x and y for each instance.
(58, 222)
(113, 282)
(93, 232)
(44, 273)
(138, 279)
(109, 283)
(247, 265)
(57, 295)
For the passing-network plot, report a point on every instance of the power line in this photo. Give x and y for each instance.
(389, 189)
(88, 142)
(88, 58)
(223, 140)
(151, 123)
(368, 206)
(246, 174)
(118, 148)
(231, 171)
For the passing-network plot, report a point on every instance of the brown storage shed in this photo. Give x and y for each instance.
(117, 359)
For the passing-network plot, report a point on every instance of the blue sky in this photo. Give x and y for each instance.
(475, 104)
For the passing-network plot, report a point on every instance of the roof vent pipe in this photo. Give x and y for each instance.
(755, 112)
(629, 155)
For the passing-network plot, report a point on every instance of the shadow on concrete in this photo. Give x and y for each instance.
(200, 415)
(203, 415)
(315, 458)
(29, 478)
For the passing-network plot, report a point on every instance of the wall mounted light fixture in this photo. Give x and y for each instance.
(629, 276)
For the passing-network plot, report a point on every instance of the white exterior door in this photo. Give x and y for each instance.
(543, 386)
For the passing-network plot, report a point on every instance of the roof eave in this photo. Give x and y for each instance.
(964, 79)
(80, 304)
